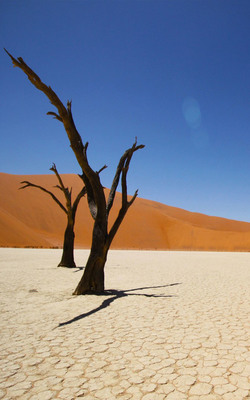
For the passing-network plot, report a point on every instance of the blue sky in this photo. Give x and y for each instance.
(174, 73)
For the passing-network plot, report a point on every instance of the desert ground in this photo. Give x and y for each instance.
(172, 325)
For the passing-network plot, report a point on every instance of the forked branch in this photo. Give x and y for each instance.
(90, 193)
(122, 168)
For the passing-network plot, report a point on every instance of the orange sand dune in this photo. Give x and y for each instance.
(30, 217)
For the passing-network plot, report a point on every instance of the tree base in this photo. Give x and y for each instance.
(89, 292)
(65, 265)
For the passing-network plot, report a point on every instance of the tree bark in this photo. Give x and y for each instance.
(67, 259)
(92, 280)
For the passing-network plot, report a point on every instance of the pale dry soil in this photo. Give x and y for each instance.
(175, 326)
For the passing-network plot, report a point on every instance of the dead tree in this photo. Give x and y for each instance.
(92, 280)
(67, 259)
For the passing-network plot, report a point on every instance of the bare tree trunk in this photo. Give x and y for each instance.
(70, 210)
(68, 247)
(92, 280)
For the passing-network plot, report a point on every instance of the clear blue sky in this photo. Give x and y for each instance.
(174, 73)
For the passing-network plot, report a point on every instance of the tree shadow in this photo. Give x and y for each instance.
(77, 269)
(118, 294)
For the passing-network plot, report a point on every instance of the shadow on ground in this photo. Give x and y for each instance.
(118, 294)
(77, 269)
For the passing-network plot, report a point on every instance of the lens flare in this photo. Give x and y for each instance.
(191, 112)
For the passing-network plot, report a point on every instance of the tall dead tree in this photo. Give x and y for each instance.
(67, 259)
(92, 280)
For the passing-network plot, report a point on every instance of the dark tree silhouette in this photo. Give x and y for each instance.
(92, 280)
(67, 259)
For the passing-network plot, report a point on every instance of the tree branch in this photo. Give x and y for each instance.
(133, 198)
(65, 115)
(55, 115)
(36, 81)
(120, 217)
(29, 184)
(66, 191)
(122, 168)
(124, 162)
(115, 182)
(90, 196)
(54, 169)
(116, 225)
(77, 200)
(101, 169)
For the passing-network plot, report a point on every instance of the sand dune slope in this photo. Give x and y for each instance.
(31, 218)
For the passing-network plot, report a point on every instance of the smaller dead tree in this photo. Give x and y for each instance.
(70, 210)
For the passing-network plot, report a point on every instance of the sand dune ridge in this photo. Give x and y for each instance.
(30, 217)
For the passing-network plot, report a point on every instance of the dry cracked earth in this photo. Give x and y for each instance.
(173, 325)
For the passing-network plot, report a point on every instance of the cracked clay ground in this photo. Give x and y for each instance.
(174, 325)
